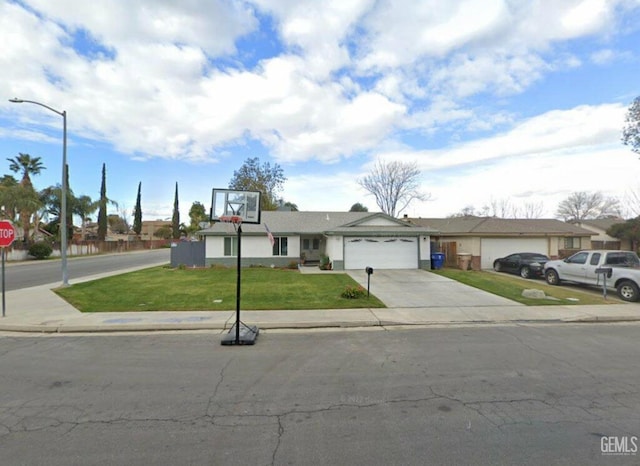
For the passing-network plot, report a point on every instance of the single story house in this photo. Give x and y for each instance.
(351, 240)
(601, 240)
(488, 238)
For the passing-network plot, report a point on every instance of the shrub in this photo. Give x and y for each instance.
(40, 250)
(325, 263)
(293, 265)
(354, 292)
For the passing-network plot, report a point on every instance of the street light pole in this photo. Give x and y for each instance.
(63, 197)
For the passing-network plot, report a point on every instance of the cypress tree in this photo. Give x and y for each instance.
(102, 212)
(137, 213)
(175, 220)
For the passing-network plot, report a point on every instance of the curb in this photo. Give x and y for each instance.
(222, 327)
(603, 319)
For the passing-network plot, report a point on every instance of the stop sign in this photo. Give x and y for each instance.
(7, 233)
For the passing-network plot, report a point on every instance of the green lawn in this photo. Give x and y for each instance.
(166, 289)
(510, 286)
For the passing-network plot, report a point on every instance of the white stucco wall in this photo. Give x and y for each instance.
(252, 246)
(425, 247)
(334, 248)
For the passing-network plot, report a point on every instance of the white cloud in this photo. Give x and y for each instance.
(336, 191)
(318, 29)
(213, 25)
(586, 17)
(568, 130)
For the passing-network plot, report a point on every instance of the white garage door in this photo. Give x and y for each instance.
(381, 253)
(494, 248)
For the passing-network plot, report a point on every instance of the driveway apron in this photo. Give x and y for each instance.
(421, 288)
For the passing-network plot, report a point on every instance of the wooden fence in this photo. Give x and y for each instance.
(19, 251)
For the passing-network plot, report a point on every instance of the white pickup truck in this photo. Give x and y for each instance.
(622, 270)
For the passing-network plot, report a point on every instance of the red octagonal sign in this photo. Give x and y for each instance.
(7, 233)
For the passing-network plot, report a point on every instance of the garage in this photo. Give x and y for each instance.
(381, 253)
(495, 248)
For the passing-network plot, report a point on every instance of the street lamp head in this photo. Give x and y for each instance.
(15, 100)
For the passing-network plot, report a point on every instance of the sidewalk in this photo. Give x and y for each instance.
(39, 309)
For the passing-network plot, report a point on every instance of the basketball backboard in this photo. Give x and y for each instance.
(229, 202)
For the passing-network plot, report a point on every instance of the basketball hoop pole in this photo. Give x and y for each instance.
(238, 284)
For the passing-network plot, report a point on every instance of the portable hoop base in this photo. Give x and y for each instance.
(248, 335)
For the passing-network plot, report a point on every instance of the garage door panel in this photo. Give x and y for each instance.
(381, 253)
(495, 248)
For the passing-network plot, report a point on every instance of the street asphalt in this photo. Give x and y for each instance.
(413, 297)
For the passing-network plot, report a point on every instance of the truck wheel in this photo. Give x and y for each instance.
(552, 277)
(525, 272)
(628, 291)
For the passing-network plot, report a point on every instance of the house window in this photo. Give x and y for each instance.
(572, 243)
(230, 246)
(308, 244)
(280, 246)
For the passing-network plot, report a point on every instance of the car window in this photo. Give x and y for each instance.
(623, 259)
(539, 257)
(579, 258)
(595, 258)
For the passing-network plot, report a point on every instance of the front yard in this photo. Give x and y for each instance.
(166, 289)
(511, 287)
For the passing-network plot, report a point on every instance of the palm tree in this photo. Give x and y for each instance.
(84, 206)
(28, 166)
(8, 197)
(51, 198)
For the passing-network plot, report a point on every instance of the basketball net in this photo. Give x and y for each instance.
(232, 221)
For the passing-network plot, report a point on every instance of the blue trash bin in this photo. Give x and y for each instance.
(437, 260)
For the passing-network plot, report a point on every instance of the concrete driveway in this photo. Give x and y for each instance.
(420, 288)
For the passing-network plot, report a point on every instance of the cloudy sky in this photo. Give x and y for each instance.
(513, 101)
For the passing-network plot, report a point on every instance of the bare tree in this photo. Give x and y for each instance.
(632, 203)
(531, 210)
(583, 205)
(631, 130)
(394, 185)
(500, 208)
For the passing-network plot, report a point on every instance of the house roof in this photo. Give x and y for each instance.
(601, 223)
(330, 223)
(474, 226)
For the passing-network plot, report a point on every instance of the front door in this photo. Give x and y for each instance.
(311, 247)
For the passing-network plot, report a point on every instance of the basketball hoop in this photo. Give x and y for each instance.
(235, 208)
(234, 220)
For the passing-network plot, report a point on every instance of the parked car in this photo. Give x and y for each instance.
(620, 268)
(526, 264)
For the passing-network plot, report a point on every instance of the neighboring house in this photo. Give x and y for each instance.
(601, 240)
(91, 234)
(489, 238)
(37, 234)
(351, 240)
(150, 227)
